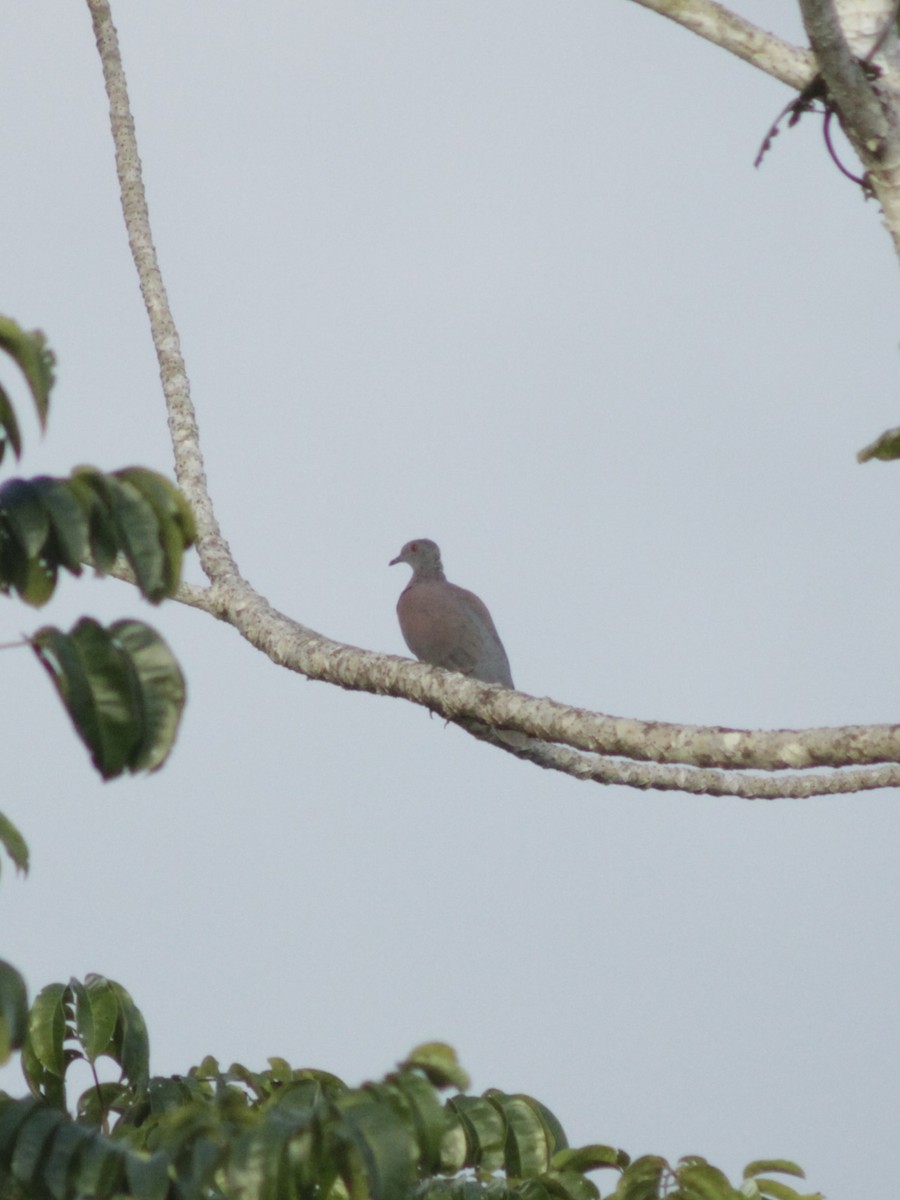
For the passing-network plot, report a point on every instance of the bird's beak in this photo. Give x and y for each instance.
(394, 561)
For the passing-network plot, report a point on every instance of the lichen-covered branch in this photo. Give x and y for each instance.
(215, 555)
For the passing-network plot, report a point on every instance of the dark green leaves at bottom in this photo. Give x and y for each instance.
(123, 690)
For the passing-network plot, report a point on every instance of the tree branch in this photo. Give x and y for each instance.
(791, 64)
(847, 84)
(589, 745)
(214, 553)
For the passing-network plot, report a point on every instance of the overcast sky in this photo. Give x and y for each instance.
(501, 274)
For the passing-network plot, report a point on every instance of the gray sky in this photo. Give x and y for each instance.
(500, 274)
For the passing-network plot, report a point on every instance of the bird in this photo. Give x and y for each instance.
(446, 625)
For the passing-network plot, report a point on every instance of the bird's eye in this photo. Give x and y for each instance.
(414, 548)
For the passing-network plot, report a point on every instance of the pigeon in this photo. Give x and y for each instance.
(446, 625)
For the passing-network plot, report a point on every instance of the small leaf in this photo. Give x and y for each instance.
(644, 1178)
(14, 844)
(26, 517)
(9, 427)
(47, 1028)
(96, 685)
(100, 1169)
(32, 1142)
(35, 360)
(528, 1145)
(706, 1182)
(148, 1178)
(439, 1064)
(427, 1115)
(775, 1189)
(886, 447)
(782, 1166)
(96, 1013)
(102, 530)
(570, 1185)
(161, 692)
(589, 1158)
(485, 1129)
(13, 1113)
(59, 1173)
(176, 527)
(13, 1011)
(70, 526)
(131, 1041)
(136, 529)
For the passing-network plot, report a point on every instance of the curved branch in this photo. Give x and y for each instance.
(590, 745)
(791, 64)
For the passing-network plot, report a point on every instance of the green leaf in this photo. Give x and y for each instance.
(570, 1185)
(96, 1013)
(137, 532)
(104, 543)
(33, 1141)
(25, 527)
(589, 1158)
(95, 682)
(775, 1189)
(14, 844)
(69, 521)
(47, 1028)
(37, 582)
(886, 447)
(59, 1172)
(705, 1182)
(35, 360)
(13, 1114)
(555, 1133)
(426, 1114)
(99, 1100)
(385, 1152)
(528, 1146)
(783, 1166)
(161, 692)
(177, 529)
(485, 1129)
(131, 1041)
(9, 426)
(13, 1011)
(26, 517)
(100, 1169)
(644, 1178)
(439, 1064)
(148, 1178)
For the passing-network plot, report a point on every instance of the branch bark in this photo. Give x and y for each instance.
(586, 745)
(791, 64)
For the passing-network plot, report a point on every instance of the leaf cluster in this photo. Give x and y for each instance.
(48, 523)
(121, 685)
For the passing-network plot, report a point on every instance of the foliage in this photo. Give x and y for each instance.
(50, 523)
(286, 1132)
(121, 686)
